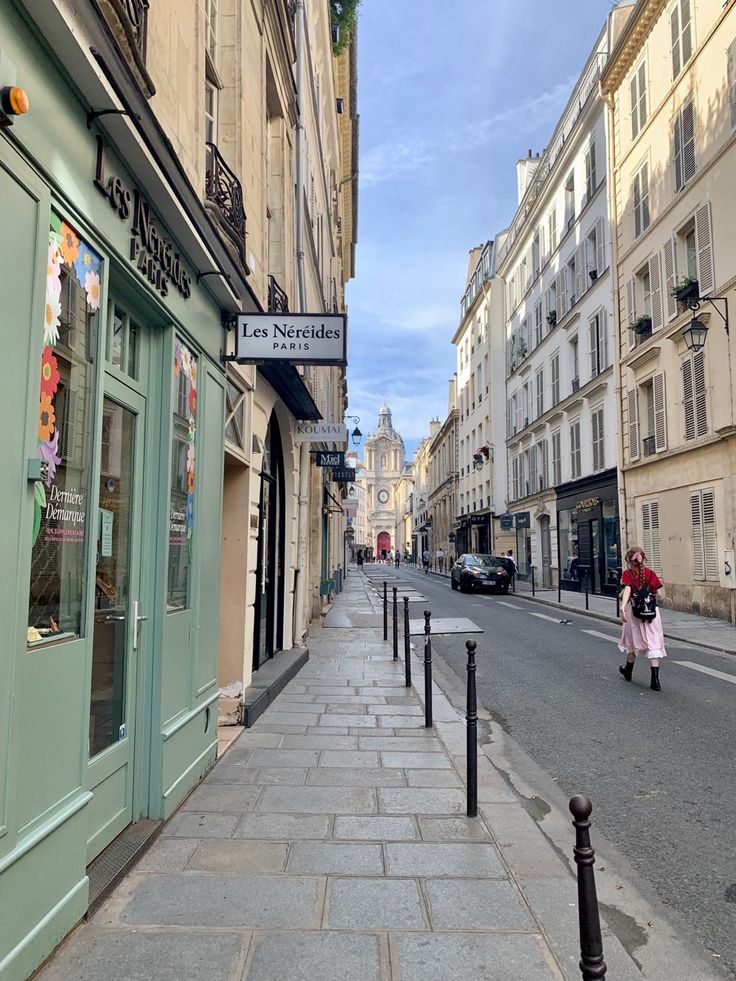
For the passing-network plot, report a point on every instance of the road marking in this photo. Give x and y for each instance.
(543, 616)
(512, 605)
(711, 671)
(597, 633)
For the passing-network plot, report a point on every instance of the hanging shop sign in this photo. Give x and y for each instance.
(343, 475)
(297, 338)
(321, 432)
(155, 255)
(506, 521)
(451, 537)
(523, 519)
(325, 458)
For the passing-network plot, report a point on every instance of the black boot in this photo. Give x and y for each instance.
(626, 669)
(655, 685)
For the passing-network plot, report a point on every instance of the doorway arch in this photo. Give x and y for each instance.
(383, 543)
(269, 604)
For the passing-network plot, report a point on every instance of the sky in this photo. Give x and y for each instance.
(450, 94)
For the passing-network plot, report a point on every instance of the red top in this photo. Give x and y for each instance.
(647, 578)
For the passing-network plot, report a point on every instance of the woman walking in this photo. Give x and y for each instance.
(641, 631)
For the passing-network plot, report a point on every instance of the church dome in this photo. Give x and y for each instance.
(385, 427)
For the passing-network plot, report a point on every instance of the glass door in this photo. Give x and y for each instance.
(119, 618)
(595, 556)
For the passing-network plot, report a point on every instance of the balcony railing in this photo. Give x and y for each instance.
(575, 385)
(278, 301)
(649, 446)
(225, 191)
(137, 14)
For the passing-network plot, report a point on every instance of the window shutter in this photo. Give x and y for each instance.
(637, 205)
(686, 27)
(700, 394)
(634, 449)
(704, 239)
(596, 437)
(687, 398)
(655, 553)
(634, 107)
(678, 152)
(660, 413)
(644, 196)
(655, 283)
(581, 271)
(593, 335)
(600, 246)
(710, 550)
(545, 464)
(603, 339)
(562, 293)
(670, 274)
(732, 82)
(688, 141)
(696, 521)
(675, 35)
(643, 113)
(556, 459)
(631, 308)
(646, 528)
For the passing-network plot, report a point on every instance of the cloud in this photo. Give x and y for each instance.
(390, 159)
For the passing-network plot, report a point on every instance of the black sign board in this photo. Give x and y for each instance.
(479, 519)
(523, 519)
(325, 458)
(343, 475)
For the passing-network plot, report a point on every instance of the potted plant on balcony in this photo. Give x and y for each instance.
(485, 450)
(687, 289)
(643, 325)
(522, 350)
(552, 318)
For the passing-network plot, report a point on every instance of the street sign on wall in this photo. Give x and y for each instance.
(321, 432)
(507, 522)
(328, 458)
(299, 338)
(343, 475)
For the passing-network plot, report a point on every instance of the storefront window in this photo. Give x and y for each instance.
(181, 506)
(611, 543)
(567, 529)
(66, 401)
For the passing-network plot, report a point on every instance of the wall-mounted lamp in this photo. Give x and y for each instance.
(356, 434)
(696, 332)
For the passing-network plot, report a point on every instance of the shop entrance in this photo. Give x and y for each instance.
(269, 612)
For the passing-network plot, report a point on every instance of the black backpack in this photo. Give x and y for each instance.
(644, 602)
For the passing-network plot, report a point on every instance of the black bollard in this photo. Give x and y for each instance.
(385, 611)
(471, 717)
(559, 587)
(396, 627)
(533, 581)
(592, 966)
(587, 604)
(427, 671)
(407, 644)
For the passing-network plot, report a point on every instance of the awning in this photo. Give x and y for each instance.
(289, 386)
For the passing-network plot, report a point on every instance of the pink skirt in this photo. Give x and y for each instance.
(642, 637)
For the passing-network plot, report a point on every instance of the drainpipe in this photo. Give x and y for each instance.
(301, 619)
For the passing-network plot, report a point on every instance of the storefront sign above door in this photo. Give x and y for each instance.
(298, 338)
(588, 504)
(330, 459)
(154, 255)
(321, 432)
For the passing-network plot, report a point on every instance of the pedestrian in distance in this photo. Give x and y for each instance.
(397, 558)
(360, 558)
(641, 623)
(426, 558)
(440, 557)
(511, 568)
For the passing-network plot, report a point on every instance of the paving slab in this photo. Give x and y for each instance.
(225, 900)
(403, 744)
(284, 827)
(219, 797)
(273, 775)
(400, 722)
(446, 957)
(230, 773)
(452, 829)
(433, 778)
(193, 824)
(321, 741)
(318, 800)
(379, 904)
(326, 776)
(282, 757)
(479, 905)
(315, 956)
(416, 761)
(445, 625)
(376, 828)
(467, 860)
(328, 858)
(349, 758)
(414, 800)
(354, 721)
(396, 709)
(167, 855)
(237, 856)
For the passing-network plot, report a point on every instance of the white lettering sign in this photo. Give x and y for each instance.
(299, 338)
(321, 432)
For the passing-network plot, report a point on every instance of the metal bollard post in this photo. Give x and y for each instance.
(587, 604)
(385, 611)
(427, 670)
(559, 586)
(396, 627)
(533, 593)
(407, 645)
(472, 732)
(592, 966)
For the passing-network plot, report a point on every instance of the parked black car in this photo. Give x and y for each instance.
(480, 572)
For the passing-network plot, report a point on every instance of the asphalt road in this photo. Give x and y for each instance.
(659, 767)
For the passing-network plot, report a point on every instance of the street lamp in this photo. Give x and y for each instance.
(695, 334)
(356, 434)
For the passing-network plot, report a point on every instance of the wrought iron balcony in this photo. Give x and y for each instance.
(575, 384)
(137, 14)
(649, 446)
(278, 301)
(225, 191)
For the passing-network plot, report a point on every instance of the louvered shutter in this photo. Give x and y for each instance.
(595, 438)
(688, 141)
(655, 286)
(581, 271)
(634, 448)
(556, 459)
(562, 293)
(545, 464)
(675, 35)
(678, 152)
(687, 398)
(600, 246)
(700, 394)
(593, 338)
(634, 107)
(533, 487)
(631, 308)
(655, 552)
(642, 94)
(646, 528)
(637, 205)
(555, 379)
(670, 274)
(696, 523)
(732, 82)
(660, 412)
(710, 549)
(603, 339)
(686, 27)
(704, 239)
(509, 414)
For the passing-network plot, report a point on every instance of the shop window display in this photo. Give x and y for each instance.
(567, 529)
(181, 507)
(60, 523)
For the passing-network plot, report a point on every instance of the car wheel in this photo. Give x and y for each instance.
(453, 583)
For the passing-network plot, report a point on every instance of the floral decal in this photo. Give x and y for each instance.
(70, 253)
(185, 363)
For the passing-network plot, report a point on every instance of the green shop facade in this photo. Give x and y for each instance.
(113, 400)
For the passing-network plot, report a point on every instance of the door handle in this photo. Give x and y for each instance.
(138, 618)
(112, 619)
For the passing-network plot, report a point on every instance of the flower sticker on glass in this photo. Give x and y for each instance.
(46, 418)
(87, 261)
(52, 318)
(92, 289)
(69, 245)
(49, 373)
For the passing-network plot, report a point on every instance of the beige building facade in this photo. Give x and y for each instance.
(670, 86)
(442, 484)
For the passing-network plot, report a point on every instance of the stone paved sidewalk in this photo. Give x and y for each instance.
(331, 844)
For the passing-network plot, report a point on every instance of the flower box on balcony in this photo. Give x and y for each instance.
(552, 318)
(643, 325)
(686, 290)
